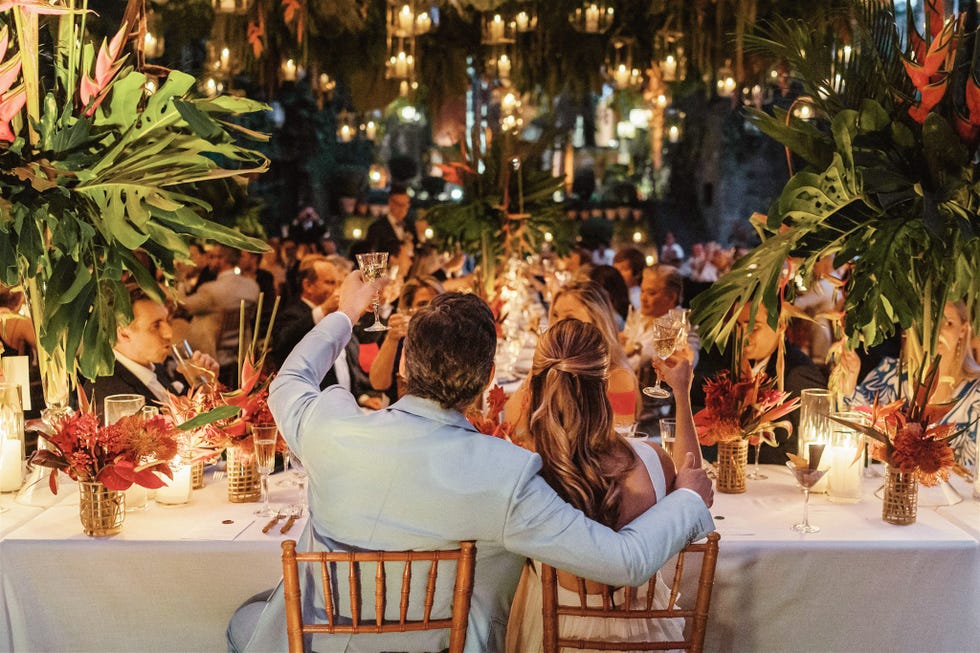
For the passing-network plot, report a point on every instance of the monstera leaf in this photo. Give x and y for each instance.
(97, 178)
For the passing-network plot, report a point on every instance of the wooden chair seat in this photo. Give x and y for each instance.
(629, 607)
(354, 617)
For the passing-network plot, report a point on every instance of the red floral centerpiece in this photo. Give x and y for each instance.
(907, 437)
(742, 409)
(736, 412)
(106, 460)
(112, 455)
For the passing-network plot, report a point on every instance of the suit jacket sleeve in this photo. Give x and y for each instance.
(295, 398)
(544, 527)
(296, 322)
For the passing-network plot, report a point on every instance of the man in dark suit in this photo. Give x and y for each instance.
(394, 226)
(319, 281)
(141, 346)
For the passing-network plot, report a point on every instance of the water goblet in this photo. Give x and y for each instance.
(373, 266)
(664, 343)
(807, 478)
(264, 438)
(755, 474)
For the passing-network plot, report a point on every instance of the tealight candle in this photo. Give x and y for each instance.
(177, 489)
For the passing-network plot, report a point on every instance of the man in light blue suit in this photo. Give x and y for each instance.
(417, 475)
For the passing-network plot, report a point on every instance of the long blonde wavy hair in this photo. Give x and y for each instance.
(571, 421)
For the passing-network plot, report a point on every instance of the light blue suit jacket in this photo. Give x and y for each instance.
(417, 476)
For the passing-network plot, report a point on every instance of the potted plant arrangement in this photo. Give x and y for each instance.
(106, 460)
(99, 159)
(889, 188)
(737, 410)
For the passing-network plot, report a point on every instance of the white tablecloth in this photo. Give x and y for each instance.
(859, 584)
(169, 581)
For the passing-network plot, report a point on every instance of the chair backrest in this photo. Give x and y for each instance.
(331, 571)
(632, 604)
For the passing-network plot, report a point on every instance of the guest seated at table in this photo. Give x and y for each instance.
(612, 282)
(959, 381)
(16, 331)
(588, 302)
(630, 263)
(418, 475)
(758, 351)
(211, 301)
(319, 281)
(141, 347)
(385, 375)
(609, 478)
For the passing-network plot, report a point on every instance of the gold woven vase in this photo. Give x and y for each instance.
(197, 475)
(100, 509)
(733, 456)
(244, 482)
(901, 497)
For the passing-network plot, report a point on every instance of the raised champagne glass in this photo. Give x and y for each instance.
(264, 438)
(373, 266)
(665, 339)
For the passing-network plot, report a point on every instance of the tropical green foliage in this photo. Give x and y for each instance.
(894, 198)
(92, 176)
(506, 210)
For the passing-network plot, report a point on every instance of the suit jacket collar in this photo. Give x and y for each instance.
(429, 409)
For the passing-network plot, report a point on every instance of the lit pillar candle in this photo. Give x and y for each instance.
(406, 19)
(503, 66)
(497, 28)
(422, 23)
(523, 22)
(289, 70)
(177, 489)
(622, 76)
(225, 58)
(592, 19)
(11, 464)
(370, 130)
(669, 68)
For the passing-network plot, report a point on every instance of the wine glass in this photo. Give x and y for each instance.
(373, 266)
(807, 478)
(664, 343)
(264, 438)
(755, 474)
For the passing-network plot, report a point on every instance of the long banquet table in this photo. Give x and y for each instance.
(172, 578)
(169, 581)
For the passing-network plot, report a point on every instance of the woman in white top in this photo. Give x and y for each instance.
(611, 479)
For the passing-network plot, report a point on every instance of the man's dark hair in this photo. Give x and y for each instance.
(449, 349)
(635, 258)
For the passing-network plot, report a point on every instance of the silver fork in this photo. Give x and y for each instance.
(217, 475)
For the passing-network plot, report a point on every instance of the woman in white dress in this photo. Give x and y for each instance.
(611, 479)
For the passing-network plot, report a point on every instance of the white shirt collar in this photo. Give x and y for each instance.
(146, 375)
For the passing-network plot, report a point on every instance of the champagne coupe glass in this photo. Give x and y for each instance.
(373, 266)
(807, 478)
(664, 343)
(755, 474)
(264, 438)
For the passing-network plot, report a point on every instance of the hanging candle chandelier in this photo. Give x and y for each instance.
(400, 63)
(670, 55)
(619, 64)
(593, 17)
